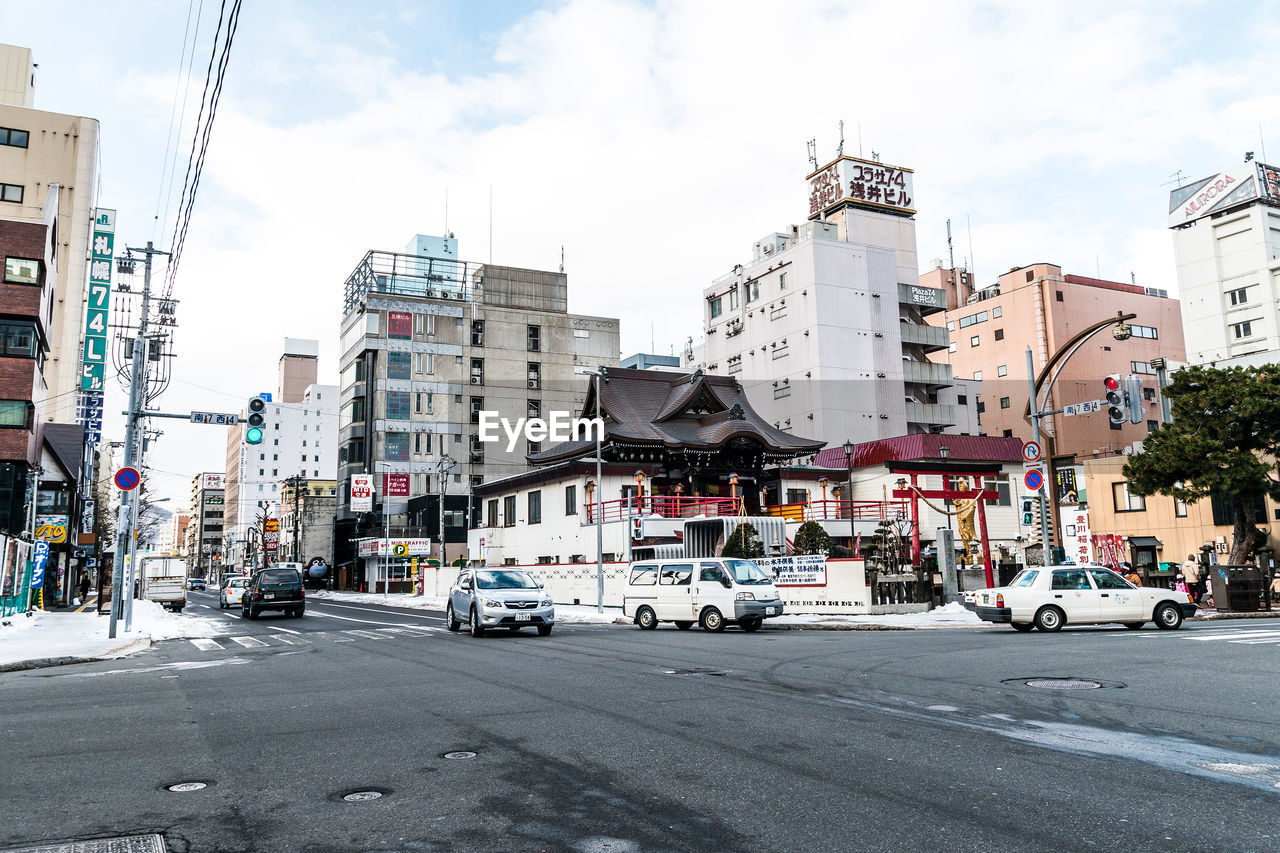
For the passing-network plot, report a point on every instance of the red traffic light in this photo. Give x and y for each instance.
(1112, 382)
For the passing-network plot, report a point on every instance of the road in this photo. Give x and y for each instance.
(606, 738)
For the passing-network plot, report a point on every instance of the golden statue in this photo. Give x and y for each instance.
(965, 510)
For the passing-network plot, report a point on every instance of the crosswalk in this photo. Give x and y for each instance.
(1260, 636)
(296, 638)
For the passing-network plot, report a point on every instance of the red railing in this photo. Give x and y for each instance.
(667, 506)
(834, 510)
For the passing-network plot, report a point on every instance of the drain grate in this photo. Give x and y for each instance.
(361, 796)
(184, 787)
(119, 844)
(459, 755)
(1063, 684)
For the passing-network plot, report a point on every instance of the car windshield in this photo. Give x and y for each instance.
(504, 580)
(279, 577)
(1026, 577)
(235, 583)
(746, 572)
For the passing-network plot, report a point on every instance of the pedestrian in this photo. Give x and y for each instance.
(1192, 573)
(1275, 587)
(1131, 575)
(1181, 585)
(84, 586)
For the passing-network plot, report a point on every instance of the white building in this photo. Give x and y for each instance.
(1226, 239)
(824, 325)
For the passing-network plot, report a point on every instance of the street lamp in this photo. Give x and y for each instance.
(848, 456)
(601, 376)
(445, 467)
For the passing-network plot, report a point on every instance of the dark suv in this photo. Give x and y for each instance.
(273, 589)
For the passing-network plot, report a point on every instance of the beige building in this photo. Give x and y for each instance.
(51, 159)
(1159, 529)
(1040, 307)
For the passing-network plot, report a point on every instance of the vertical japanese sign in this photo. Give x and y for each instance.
(99, 302)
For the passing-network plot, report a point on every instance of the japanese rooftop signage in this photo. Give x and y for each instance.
(1217, 192)
(95, 318)
(861, 183)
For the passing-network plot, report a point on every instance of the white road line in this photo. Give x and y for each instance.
(206, 607)
(368, 635)
(1267, 640)
(327, 602)
(412, 632)
(353, 619)
(206, 645)
(248, 642)
(286, 630)
(1238, 634)
(334, 637)
(286, 639)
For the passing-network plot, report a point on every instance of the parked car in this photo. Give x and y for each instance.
(273, 589)
(1079, 595)
(195, 583)
(231, 591)
(711, 592)
(499, 598)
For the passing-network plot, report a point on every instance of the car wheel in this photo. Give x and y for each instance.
(450, 620)
(244, 614)
(1024, 627)
(1050, 619)
(646, 619)
(1133, 626)
(684, 625)
(750, 625)
(477, 630)
(544, 630)
(712, 620)
(1168, 617)
(253, 612)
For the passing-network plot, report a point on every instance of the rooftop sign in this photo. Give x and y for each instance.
(861, 183)
(1222, 190)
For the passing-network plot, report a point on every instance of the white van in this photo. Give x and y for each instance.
(708, 590)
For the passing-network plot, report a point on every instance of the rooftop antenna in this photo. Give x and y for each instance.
(973, 261)
(562, 257)
(951, 252)
(490, 223)
(859, 139)
(1262, 141)
(875, 155)
(813, 153)
(840, 147)
(652, 346)
(1177, 178)
(1133, 278)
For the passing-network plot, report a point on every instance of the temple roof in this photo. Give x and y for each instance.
(677, 412)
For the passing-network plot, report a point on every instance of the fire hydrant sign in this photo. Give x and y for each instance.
(362, 493)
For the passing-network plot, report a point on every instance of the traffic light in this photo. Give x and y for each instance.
(1133, 399)
(1028, 512)
(1115, 400)
(257, 421)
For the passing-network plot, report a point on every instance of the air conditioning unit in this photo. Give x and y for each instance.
(458, 296)
(475, 380)
(431, 294)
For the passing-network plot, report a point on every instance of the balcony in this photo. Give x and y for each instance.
(933, 414)
(928, 300)
(666, 506)
(926, 373)
(932, 338)
(834, 509)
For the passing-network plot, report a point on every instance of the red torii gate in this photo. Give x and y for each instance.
(973, 471)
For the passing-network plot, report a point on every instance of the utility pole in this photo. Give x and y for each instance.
(1035, 435)
(137, 383)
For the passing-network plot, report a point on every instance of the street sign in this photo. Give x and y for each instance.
(1086, 408)
(40, 557)
(127, 479)
(216, 418)
(362, 493)
(400, 549)
(1031, 451)
(271, 534)
(1033, 479)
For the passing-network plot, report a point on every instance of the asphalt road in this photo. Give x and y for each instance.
(611, 739)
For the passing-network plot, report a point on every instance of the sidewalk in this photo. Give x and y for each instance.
(53, 639)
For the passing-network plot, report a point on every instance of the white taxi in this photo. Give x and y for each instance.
(1048, 598)
(232, 590)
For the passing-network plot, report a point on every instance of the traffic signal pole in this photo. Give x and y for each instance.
(1035, 436)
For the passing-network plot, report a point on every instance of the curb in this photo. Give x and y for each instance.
(138, 645)
(1214, 616)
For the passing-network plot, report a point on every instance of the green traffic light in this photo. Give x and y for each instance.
(253, 435)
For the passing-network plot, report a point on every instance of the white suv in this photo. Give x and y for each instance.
(499, 598)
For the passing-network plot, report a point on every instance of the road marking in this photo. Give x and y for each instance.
(1266, 640)
(247, 642)
(205, 606)
(286, 639)
(413, 632)
(368, 635)
(286, 630)
(353, 619)
(328, 602)
(1237, 634)
(334, 637)
(206, 645)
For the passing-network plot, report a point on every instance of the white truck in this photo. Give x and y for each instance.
(164, 581)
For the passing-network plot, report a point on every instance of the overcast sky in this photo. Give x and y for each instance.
(654, 141)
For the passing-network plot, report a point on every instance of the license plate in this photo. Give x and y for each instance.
(769, 611)
(269, 595)
(522, 617)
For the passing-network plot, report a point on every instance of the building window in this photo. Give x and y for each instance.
(717, 307)
(477, 333)
(477, 371)
(1002, 370)
(424, 362)
(535, 507)
(778, 313)
(784, 391)
(422, 442)
(1149, 332)
(1238, 297)
(1004, 402)
(1152, 426)
(996, 312)
(1180, 509)
(492, 511)
(952, 347)
(534, 408)
(1149, 394)
(399, 365)
(1125, 501)
(951, 325)
(357, 411)
(1007, 433)
(397, 444)
(16, 138)
(535, 447)
(570, 500)
(1057, 295)
(980, 317)
(733, 299)
(782, 281)
(398, 404)
(977, 376)
(781, 352)
(19, 339)
(422, 403)
(509, 511)
(962, 399)
(15, 413)
(973, 341)
(535, 375)
(424, 324)
(1242, 330)
(21, 271)
(999, 483)
(535, 339)
(753, 291)
(11, 192)
(1142, 367)
(999, 334)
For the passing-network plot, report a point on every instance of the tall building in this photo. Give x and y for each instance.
(1226, 239)
(825, 325)
(429, 342)
(205, 555)
(1038, 306)
(300, 440)
(49, 165)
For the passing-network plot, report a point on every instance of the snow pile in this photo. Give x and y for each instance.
(947, 616)
(152, 619)
(18, 623)
(582, 614)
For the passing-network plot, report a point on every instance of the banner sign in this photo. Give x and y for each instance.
(399, 325)
(362, 493)
(271, 534)
(93, 368)
(395, 485)
(52, 528)
(797, 570)
(861, 183)
(393, 547)
(39, 558)
(1075, 534)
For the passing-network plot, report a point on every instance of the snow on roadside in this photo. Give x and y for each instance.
(19, 623)
(947, 616)
(153, 620)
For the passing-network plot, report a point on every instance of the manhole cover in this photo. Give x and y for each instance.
(361, 796)
(1063, 684)
(459, 755)
(183, 787)
(119, 844)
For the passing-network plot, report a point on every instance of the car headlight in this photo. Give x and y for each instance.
(746, 596)
(488, 602)
(546, 602)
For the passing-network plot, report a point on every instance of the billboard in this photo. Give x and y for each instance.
(362, 493)
(861, 183)
(213, 481)
(395, 485)
(399, 325)
(1219, 191)
(52, 528)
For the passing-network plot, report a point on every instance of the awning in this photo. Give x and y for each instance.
(1145, 542)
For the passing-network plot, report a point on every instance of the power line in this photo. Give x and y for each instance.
(169, 165)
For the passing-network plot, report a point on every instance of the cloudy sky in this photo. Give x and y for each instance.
(653, 141)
